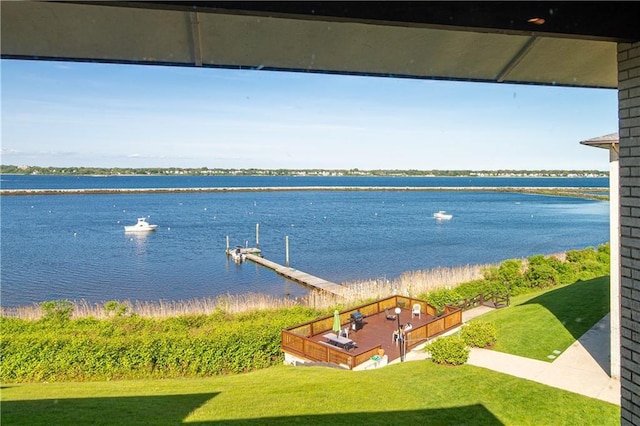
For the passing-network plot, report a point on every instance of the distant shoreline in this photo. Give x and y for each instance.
(579, 192)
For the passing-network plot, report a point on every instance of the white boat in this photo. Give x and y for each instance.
(238, 254)
(442, 215)
(141, 226)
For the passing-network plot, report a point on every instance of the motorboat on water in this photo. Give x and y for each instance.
(442, 215)
(141, 226)
(238, 254)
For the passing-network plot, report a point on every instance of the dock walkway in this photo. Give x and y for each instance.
(298, 276)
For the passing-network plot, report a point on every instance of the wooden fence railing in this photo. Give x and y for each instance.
(306, 348)
(452, 318)
(496, 300)
(492, 300)
(297, 340)
(324, 324)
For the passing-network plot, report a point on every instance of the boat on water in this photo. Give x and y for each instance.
(442, 215)
(238, 254)
(141, 226)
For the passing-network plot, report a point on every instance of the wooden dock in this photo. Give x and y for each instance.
(298, 276)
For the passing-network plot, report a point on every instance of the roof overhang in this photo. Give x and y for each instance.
(463, 41)
(609, 141)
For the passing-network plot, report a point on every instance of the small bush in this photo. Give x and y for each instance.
(540, 273)
(450, 350)
(57, 310)
(442, 297)
(114, 308)
(473, 288)
(479, 334)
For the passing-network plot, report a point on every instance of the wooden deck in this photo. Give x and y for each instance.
(298, 276)
(378, 330)
(306, 342)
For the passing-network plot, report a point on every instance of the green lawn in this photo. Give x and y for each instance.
(418, 392)
(537, 324)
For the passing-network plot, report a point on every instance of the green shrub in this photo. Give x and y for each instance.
(566, 274)
(540, 274)
(115, 308)
(479, 334)
(57, 310)
(510, 274)
(450, 350)
(580, 256)
(473, 288)
(442, 297)
(130, 347)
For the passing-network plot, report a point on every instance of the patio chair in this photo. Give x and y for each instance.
(390, 317)
(417, 310)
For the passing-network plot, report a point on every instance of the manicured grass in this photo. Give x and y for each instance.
(537, 324)
(418, 392)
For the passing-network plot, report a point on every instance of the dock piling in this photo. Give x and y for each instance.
(286, 249)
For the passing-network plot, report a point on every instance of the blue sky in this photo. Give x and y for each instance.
(104, 115)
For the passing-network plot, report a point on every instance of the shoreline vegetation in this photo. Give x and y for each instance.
(410, 283)
(176, 340)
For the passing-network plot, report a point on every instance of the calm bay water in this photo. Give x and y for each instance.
(74, 246)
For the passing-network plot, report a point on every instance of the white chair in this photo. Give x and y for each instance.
(417, 310)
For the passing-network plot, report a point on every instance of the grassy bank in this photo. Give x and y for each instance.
(409, 393)
(412, 392)
(540, 323)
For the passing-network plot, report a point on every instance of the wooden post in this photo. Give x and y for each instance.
(257, 235)
(286, 249)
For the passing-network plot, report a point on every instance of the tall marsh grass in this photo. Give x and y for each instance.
(408, 284)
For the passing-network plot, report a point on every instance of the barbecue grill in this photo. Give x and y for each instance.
(357, 321)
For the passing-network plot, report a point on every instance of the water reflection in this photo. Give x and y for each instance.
(139, 240)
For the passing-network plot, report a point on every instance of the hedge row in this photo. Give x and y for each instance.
(59, 349)
(516, 276)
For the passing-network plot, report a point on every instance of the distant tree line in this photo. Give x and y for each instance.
(205, 171)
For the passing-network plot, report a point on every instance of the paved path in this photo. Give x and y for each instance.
(582, 368)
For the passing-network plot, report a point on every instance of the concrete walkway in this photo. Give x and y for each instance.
(582, 368)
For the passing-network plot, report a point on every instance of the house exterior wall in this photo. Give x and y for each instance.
(629, 132)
